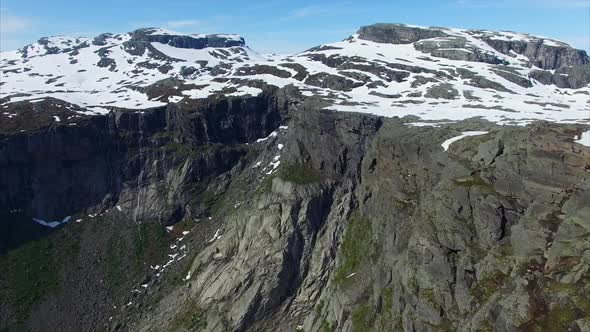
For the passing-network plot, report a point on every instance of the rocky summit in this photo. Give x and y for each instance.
(403, 179)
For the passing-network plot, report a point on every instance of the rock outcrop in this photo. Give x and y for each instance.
(253, 207)
(397, 33)
(153, 35)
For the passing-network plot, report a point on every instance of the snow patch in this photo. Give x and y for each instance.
(584, 139)
(446, 144)
(216, 236)
(52, 224)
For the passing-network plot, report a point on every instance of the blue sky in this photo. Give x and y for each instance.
(287, 26)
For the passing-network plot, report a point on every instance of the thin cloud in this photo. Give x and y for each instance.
(307, 11)
(321, 11)
(556, 4)
(183, 23)
(14, 24)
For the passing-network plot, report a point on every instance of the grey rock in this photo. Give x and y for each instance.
(396, 33)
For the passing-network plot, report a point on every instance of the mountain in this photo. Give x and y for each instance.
(403, 179)
(443, 74)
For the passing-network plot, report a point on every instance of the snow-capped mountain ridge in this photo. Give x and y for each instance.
(435, 74)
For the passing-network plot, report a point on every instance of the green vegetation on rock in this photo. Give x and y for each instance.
(150, 242)
(300, 174)
(328, 327)
(428, 295)
(363, 318)
(478, 182)
(356, 247)
(561, 315)
(190, 318)
(212, 202)
(488, 285)
(29, 273)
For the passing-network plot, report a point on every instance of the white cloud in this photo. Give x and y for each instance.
(183, 23)
(14, 24)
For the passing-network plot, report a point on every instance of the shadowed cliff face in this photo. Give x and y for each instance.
(297, 218)
(59, 170)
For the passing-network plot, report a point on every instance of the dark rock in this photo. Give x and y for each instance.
(455, 48)
(442, 91)
(100, 40)
(325, 80)
(186, 41)
(263, 69)
(396, 33)
(484, 83)
(107, 62)
(574, 77)
(514, 78)
(540, 54)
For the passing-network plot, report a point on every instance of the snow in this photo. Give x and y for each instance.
(216, 236)
(274, 164)
(584, 139)
(97, 90)
(271, 135)
(52, 224)
(446, 144)
(56, 118)
(246, 90)
(175, 99)
(553, 43)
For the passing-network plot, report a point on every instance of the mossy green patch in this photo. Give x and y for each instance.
(319, 307)
(150, 242)
(212, 202)
(124, 258)
(190, 318)
(428, 295)
(32, 271)
(386, 321)
(363, 318)
(29, 273)
(487, 285)
(328, 327)
(356, 247)
(113, 267)
(300, 174)
(182, 150)
(559, 318)
(562, 305)
(477, 182)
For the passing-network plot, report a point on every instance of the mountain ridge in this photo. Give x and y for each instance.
(445, 73)
(420, 182)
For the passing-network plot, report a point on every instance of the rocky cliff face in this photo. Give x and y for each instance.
(271, 212)
(334, 221)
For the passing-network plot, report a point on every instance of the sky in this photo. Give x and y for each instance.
(278, 26)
